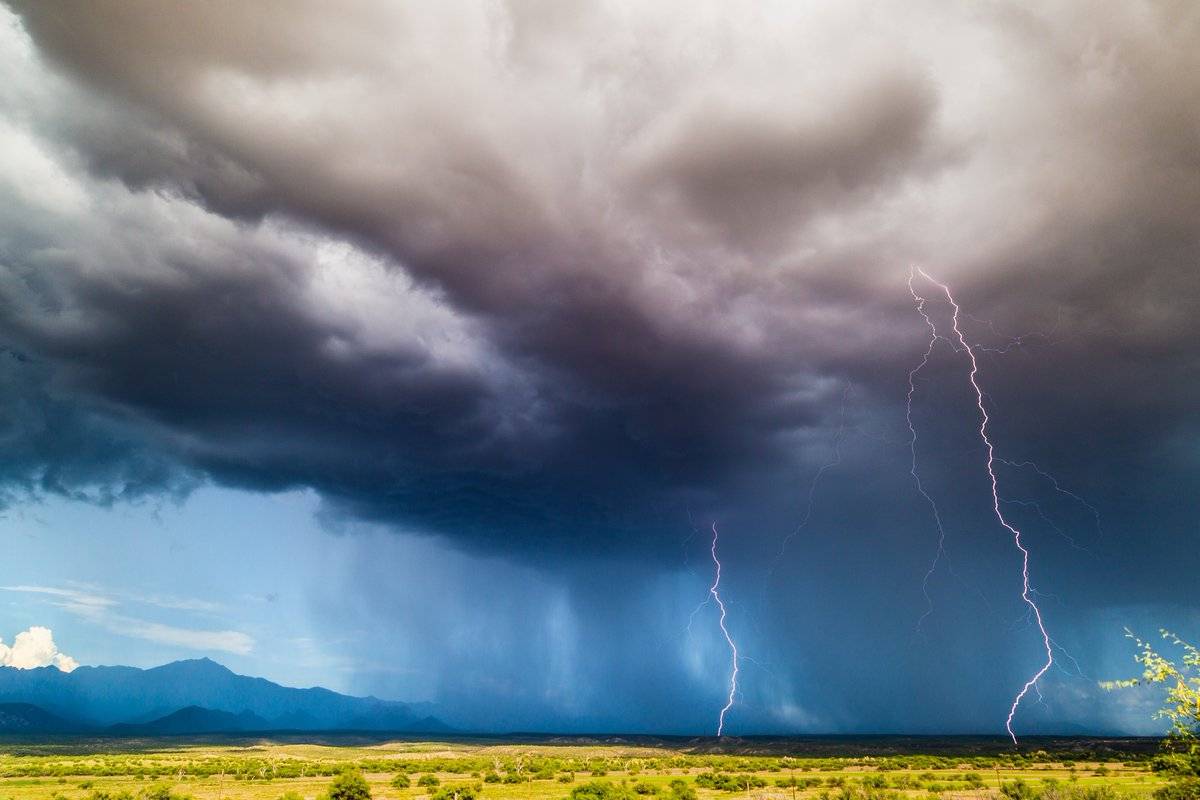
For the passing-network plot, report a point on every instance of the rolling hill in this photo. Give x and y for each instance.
(25, 718)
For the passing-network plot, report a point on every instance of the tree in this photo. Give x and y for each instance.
(1181, 705)
(349, 785)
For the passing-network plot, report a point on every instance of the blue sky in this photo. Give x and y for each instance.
(254, 581)
(132, 568)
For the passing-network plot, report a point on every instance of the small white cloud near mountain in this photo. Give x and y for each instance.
(35, 648)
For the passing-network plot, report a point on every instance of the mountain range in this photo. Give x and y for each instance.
(188, 697)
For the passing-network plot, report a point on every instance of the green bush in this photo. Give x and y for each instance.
(401, 781)
(428, 780)
(100, 794)
(1181, 789)
(1019, 790)
(601, 790)
(464, 791)
(1084, 793)
(861, 793)
(725, 782)
(349, 785)
(681, 790)
(1054, 790)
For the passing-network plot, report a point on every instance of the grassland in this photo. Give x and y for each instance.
(267, 769)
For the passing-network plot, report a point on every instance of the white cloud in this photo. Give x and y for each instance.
(101, 609)
(35, 648)
(70, 599)
(226, 641)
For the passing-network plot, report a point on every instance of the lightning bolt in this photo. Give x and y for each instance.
(1095, 512)
(985, 420)
(1016, 342)
(912, 447)
(715, 591)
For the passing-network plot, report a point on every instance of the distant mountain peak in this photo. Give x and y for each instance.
(204, 665)
(197, 695)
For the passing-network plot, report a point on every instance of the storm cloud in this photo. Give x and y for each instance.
(542, 280)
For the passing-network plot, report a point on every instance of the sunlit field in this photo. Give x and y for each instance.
(492, 769)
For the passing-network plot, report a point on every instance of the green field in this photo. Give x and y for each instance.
(548, 769)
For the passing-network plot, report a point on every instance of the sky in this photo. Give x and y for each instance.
(414, 350)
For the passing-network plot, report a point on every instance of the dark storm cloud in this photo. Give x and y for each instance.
(55, 444)
(667, 240)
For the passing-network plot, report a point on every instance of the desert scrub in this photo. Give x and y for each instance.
(349, 785)
(466, 791)
(601, 790)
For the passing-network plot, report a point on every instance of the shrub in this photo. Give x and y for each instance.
(1084, 793)
(401, 781)
(456, 792)
(428, 780)
(601, 790)
(100, 794)
(681, 790)
(1018, 790)
(1054, 790)
(349, 785)
(1180, 789)
(729, 783)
